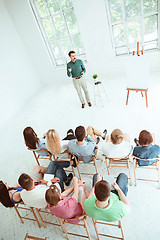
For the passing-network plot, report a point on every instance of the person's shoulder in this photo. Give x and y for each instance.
(89, 201)
(69, 63)
(72, 142)
(79, 60)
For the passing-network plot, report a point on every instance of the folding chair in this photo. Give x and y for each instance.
(119, 225)
(80, 162)
(37, 156)
(27, 209)
(35, 238)
(46, 211)
(82, 218)
(153, 166)
(118, 162)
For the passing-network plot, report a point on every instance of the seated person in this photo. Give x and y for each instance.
(105, 205)
(146, 150)
(33, 142)
(33, 193)
(54, 144)
(95, 134)
(9, 196)
(63, 206)
(119, 145)
(83, 146)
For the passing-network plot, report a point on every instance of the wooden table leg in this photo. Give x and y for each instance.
(142, 93)
(127, 97)
(146, 98)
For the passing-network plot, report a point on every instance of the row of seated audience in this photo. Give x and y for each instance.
(101, 203)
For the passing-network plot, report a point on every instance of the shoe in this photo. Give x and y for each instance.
(104, 134)
(83, 105)
(98, 140)
(69, 179)
(70, 135)
(136, 141)
(89, 104)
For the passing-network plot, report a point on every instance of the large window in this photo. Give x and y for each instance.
(58, 25)
(132, 21)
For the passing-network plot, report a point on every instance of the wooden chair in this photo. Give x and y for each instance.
(46, 211)
(119, 225)
(82, 218)
(35, 238)
(37, 156)
(22, 206)
(153, 166)
(118, 162)
(80, 162)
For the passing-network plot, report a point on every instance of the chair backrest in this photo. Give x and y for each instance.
(148, 159)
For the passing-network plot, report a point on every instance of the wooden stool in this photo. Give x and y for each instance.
(138, 90)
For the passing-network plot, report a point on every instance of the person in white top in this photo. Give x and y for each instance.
(33, 193)
(119, 145)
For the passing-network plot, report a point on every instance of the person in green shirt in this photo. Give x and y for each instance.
(76, 69)
(105, 205)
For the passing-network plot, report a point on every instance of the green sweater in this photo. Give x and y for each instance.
(115, 211)
(77, 68)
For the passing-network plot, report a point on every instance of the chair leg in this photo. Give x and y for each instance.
(95, 165)
(134, 166)
(127, 97)
(18, 214)
(36, 158)
(79, 172)
(39, 215)
(95, 226)
(61, 223)
(120, 224)
(129, 172)
(85, 225)
(31, 208)
(26, 236)
(64, 228)
(158, 175)
(107, 166)
(146, 98)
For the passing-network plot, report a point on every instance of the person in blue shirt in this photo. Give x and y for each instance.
(76, 69)
(145, 149)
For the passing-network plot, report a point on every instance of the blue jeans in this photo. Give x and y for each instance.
(122, 181)
(56, 168)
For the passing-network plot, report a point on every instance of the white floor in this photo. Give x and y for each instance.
(58, 107)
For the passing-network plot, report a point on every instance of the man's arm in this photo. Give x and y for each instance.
(69, 71)
(89, 139)
(121, 194)
(83, 67)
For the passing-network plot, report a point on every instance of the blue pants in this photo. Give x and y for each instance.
(122, 181)
(56, 168)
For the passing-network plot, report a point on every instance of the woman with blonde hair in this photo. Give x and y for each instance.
(54, 144)
(119, 145)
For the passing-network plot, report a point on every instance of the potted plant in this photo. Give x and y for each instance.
(95, 76)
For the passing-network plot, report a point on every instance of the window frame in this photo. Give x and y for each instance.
(126, 20)
(46, 38)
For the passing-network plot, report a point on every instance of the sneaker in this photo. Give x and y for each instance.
(69, 179)
(83, 105)
(89, 104)
(98, 140)
(104, 134)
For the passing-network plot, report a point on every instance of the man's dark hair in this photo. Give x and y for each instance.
(102, 190)
(80, 133)
(145, 138)
(25, 181)
(69, 54)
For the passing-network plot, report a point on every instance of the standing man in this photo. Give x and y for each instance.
(76, 69)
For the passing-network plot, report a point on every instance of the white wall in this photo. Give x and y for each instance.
(18, 80)
(93, 25)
